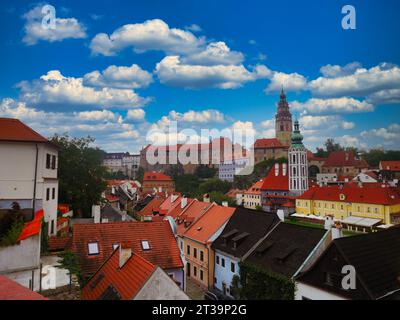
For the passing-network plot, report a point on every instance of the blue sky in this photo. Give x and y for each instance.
(117, 69)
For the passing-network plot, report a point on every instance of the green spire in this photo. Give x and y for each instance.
(297, 138)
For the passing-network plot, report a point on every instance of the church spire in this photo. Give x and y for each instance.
(297, 138)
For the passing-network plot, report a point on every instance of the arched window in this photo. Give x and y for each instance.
(294, 171)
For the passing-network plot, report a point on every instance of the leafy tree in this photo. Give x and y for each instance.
(115, 175)
(257, 283)
(219, 197)
(69, 261)
(205, 172)
(140, 175)
(81, 173)
(187, 184)
(11, 225)
(331, 146)
(374, 156)
(214, 184)
(174, 171)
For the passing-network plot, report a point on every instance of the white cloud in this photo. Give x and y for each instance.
(119, 77)
(216, 53)
(290, 82)
(336, 105)
(65, 28)
(347, 125)
(334, 71)
(172, 72)
(390, 96)
(205, 116)
(362, 82)
(149, 35)
(54, 88)
(135, 114)
(194, 28)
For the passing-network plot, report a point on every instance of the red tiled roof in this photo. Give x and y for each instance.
(156, 176)
(371, 193)
(127, 281)
(174, 213)
(15, 130)
(11, 290)
(311, 156)
(344, 159)
(390, 165)
(255, 188)
(233, 192)
(63, 208)
(59, 243)
(276, 182)
(33, 227)
(268, 144)
(164, 250)
(191, 214)
(209, 223)
(168, 205)
(111, 198)
(152, 206)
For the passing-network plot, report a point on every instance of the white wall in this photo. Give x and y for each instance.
(224, 274)
(313, 293)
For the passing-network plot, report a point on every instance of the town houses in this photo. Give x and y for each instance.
(284, 233)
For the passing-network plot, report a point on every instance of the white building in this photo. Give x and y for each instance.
(126, 163)
(298, 164)
(229, 168)
(28, 172)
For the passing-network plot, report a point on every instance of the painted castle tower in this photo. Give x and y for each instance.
(283, 121)
(298, 164)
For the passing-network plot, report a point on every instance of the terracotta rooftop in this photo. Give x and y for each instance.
(277, 178)
(11, 290)
(156, 176)
(126, 281)
(152, 207)
(255, 188)
(15, 130)
(33, 227)
(371, 193)
(268, 144)
(390, 165)
(344, 159)
(209, 223)
(163, 252)
(191, 214)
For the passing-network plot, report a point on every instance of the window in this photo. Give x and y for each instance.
(53, 195)
(232, 267)
(215, 280)
(217, 259)
(115, 246)
(145, 245)
(195, 271)
(53, 162)
(223, 262)
(93, 248)
(48, 161)
(194, 253)
(48, 194)
(201, 256)
(201, 275)
(52, 227)
(188, 249)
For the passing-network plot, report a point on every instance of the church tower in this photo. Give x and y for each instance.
(283, 121)
(298, 164)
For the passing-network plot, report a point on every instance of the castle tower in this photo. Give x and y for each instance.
(283, 121)
(298, 164)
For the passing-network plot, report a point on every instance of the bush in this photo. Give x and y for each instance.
(10, 238)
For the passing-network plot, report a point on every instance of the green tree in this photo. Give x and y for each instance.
(332, 146)
(205, 172)
(69, 261)
(174, 171)
(219, 197)
(214, 184)
(187, 184)
(140, 175)
(81, 173)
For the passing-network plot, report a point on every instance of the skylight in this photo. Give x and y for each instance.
(93, 248)
(145, 245)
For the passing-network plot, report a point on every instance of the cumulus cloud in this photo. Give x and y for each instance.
(390, 96)
(56, 89)
(290, 81)
(194, 28)
(65, 28)
(149, 35)
(334, 71)
(119, 77)
(173, 72)
(392, 133)
(361, 82)
(335, 105)
(135, 114)
(205, 116)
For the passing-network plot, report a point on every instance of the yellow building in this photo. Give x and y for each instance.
(252, 196)
(374, 201)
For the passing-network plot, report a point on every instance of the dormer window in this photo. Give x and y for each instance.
(93, 248)
(145, 245)
(115, 246)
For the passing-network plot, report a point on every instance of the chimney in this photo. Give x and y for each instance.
(206, 198)
(224, 203)
(96, 213)
(173, 197)
(125, 252)
(328, 222)
(337, 231)
(183, 202)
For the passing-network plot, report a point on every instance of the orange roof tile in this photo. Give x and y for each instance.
(152, 207)
(15, 130)
(164, 250)
(191, 214)
(268, 144)
(209, 223)
(156, 176)
(255, 188)
(344, 159)
(127, 281)
(390, 165)
(33, 227)
(276, 182)
(11, 290)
